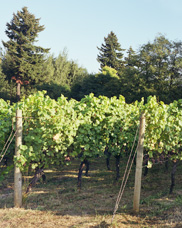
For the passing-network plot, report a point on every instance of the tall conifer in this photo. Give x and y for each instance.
(25, 58)
(111, 53)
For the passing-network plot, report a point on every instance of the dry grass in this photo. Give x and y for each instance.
(59, 203)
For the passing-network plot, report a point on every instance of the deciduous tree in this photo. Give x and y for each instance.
(160, 66)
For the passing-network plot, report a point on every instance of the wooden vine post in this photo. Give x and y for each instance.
(17, 172)
(139, 163)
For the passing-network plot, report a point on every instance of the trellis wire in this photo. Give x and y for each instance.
(6, 145)
(6, 148)
(124, 181)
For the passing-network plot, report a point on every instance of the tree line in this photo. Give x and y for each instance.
(154, 69)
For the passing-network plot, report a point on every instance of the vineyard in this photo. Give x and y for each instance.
(60, 133)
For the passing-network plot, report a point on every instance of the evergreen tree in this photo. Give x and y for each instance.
(4, 87)
(25, 59)
(111, 53)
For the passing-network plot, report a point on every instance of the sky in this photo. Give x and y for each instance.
(79, 26)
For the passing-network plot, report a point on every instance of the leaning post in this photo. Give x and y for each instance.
(17, 172)
(139, 163)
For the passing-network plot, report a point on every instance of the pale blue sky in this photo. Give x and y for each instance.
(81, 25)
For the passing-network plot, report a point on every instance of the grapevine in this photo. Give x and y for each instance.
(54, 131)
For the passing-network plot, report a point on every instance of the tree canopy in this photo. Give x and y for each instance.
(111, 53)
(154, 69)
(22, 56)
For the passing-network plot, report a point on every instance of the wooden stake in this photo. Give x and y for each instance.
(139, 163)
(17, 173)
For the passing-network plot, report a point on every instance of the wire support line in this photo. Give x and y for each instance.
(6, 145)
(12, 126)
(125, 177)
(2, 155)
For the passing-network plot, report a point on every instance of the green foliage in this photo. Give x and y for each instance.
(55, 130)
(155, 70)
(5, 121)
(6, 171)
(49, 129)
(163, 129)
(107, 83)
(109, 71)
(6, 126)
(54, 91)
(4, 87)
(65, 72)
(23, 60)
(48, 69)
(111, 53)
(61, 75)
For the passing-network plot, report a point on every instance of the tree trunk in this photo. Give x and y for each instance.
(84, 163)
(38, 174)
(117, 157)
(173, 176)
